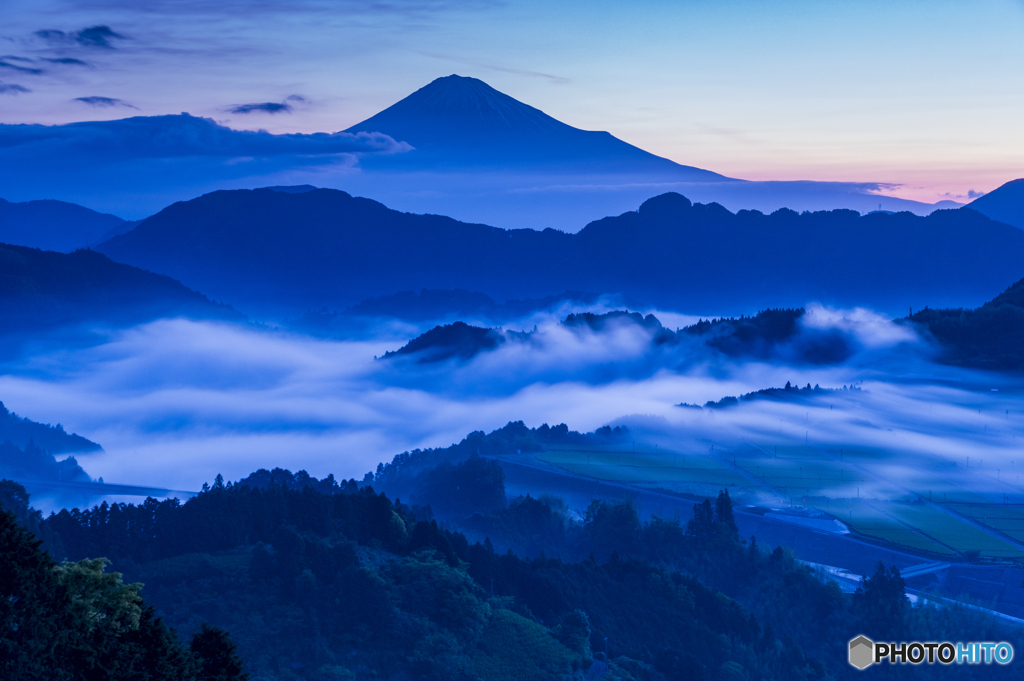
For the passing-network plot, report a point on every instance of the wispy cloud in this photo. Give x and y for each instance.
(104, 102)
(489, 66)
(970, 195)
(5, 63)
(94, 37)
(265, 107)
(92, 161)
(268, 107)
(12, 89)
(94, 143)
(264, 8)
(68, 61)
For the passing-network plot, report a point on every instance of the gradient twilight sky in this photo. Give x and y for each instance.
(927, 94)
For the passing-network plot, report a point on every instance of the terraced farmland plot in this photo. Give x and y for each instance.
(863, 517)
(1007, 518)
(952, 531)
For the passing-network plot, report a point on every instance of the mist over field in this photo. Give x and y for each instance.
(175, 402)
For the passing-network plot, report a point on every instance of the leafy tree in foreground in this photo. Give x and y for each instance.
(217, 656)
(75, 621)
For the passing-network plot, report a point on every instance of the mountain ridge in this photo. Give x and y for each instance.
(338, 250)
(45, 289)
(54, 225)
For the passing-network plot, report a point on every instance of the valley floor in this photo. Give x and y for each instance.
(995, 587)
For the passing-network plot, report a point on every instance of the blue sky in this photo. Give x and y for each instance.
(924, 94)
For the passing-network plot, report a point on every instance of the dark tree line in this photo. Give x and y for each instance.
(74, 621)
(325, 579)
(988, 337)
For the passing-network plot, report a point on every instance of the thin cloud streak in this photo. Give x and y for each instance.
(20, 69)
(104, 102)
(101, 37)
(12, 89)
(269, 107)
(559, 80)
(264, 8)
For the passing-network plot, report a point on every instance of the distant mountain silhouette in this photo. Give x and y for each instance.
(1005, 204)
(44, 289)
(264, 250)
(54, 225)
(458, 122)
(123, 228)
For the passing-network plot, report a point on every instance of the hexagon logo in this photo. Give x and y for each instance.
(862, 652)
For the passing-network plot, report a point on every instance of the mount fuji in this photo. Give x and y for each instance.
(455, 147)
(480, 155)
(455, 123)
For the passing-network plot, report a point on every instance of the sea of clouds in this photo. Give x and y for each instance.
(175, 402)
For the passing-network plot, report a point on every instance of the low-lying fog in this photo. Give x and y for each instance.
(175, 402)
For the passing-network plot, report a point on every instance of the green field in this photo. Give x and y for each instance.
(872, 521)
(952, 531)
(803, 471)
(1007, 518)
(833, 480)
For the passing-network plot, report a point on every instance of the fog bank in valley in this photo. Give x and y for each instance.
(175, 402)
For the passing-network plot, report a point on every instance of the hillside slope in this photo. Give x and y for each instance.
(989, 337)
(41, 289)
(53, 225)
(21, 431)
(1005, 204)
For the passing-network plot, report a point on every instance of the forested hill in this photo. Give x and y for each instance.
(77, 621)
(321, 579)
(789, 393)
(40, 289)
(53, 439)
(768, 334)
(53, 225)
(351, 585)
(324, 248)
(988, 337)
